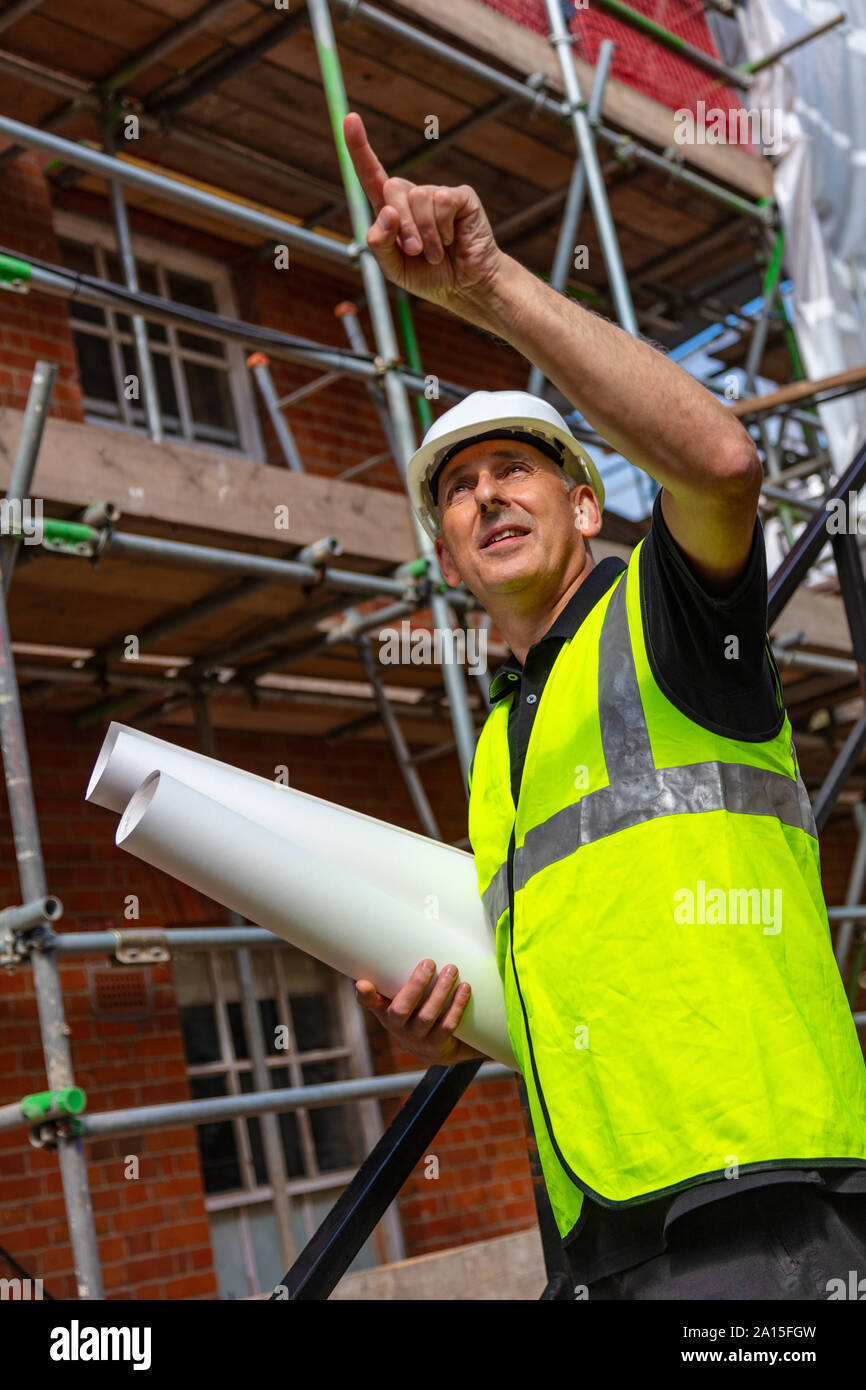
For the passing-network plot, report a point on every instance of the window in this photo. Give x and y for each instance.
(312, 1033)
(204, 392)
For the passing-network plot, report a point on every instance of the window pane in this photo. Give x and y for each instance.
(255, 1131)
(216, 1141)
(239, 1036)
(210, 403)
(189, 290)
(289, 1129)
(156, 332)
(200, 1037)
(270, 1022)
(336, 1132)
(316, 1022)
(164, 386)
(94, 364)
(76, 256)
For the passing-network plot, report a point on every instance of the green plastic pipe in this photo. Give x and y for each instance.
(70, 1100)
(774, 268)
(14, 272)
(70, 532)
(413, 355)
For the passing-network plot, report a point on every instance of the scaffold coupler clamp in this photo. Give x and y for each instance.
(317, 556)
(140, 946)
(420, 586)
(538, 82)
(103, 517)
(384, 365)
(48, 1133)
(27, 928)
(624, 151)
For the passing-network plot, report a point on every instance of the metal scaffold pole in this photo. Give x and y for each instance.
(130, 275)
(583, 133)
(386, 343)
(573, 211)
(31, 874)
(32, 428)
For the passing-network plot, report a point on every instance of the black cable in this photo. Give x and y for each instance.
(19, 1269)
(201, 318)
(221, 327)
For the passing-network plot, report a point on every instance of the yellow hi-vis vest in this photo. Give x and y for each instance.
(671, 993)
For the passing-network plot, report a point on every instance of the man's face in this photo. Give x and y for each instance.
(501, 483)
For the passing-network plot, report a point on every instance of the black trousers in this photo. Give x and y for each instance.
(789, 1241)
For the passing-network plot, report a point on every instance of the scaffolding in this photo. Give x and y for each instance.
(802, 487)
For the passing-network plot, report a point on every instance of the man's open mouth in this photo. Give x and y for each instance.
(503, 535)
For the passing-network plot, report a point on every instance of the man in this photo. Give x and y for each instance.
(644, 843)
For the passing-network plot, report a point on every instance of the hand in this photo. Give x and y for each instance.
(424, 1034)
(432, 240)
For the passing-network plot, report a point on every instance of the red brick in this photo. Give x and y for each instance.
(192, 1286)
(191, 1233)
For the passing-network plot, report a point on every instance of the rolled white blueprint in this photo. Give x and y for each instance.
(341, 919)
(420, 871)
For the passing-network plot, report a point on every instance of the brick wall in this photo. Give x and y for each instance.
(34, 325)
(153, 1232)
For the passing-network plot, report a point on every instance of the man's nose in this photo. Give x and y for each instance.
(488, 490)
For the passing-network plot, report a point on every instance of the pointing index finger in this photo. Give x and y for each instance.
(370, 172)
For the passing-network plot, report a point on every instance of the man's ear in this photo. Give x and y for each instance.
(587, 512)
(450, 572)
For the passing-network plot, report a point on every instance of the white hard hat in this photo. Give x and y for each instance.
(495, 415)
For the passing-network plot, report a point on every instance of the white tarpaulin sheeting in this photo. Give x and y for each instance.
(818, 95)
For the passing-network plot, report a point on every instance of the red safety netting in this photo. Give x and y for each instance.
(639, 60)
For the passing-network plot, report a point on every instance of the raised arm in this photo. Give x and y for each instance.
(436, 242)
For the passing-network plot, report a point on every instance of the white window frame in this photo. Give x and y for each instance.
(73, 227)
(386, 1240)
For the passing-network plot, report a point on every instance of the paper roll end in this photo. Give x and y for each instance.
(105, 752)
(138, 804)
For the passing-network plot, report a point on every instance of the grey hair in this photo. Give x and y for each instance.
(568, 481)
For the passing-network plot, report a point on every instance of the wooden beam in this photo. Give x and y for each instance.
(466, 23)
(80, 464)
(798, 391)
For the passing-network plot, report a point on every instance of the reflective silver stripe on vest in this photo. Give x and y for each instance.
(638, 790)
(669, 791)
(625, 740)
(495, 895)
(806, 812)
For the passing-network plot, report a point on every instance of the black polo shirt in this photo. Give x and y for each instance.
(688, 634)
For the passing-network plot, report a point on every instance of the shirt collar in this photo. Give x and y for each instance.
(566, 624)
